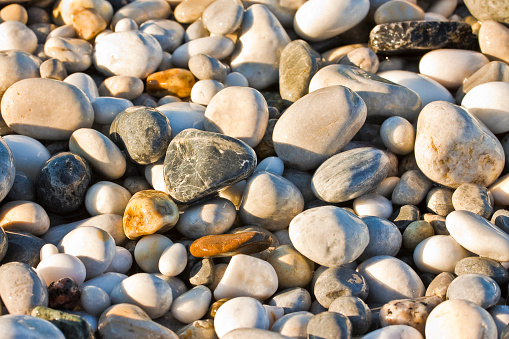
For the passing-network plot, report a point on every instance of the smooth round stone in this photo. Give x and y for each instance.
(396, 11)
(29, 154)
(218, 47)
(438, 286)
(183, 115)
(15, 35)
(450, 67)
(205, 67)
(17, 65)
(23, 188)
(223, 17)
(173, 260)
(372, 205)
(389, 279)
(46, 250)
(211, 217)
(191, 10)
(292, 300)
(144, 11)
(239, 112)
(121, 86)
(439, 201)
(24, 216)
(477, 288)
(99, 151)
(107, 108)
(383, 98)
(63, 294)
(235, 79)
(270, 201)
(21, 288)
(142, 133)
(75, 54)
(124, 320)
(350, 174)
(247, 276)
(460, 319)
(384, 238)
(338, 281)
(94, 300)
(439, 253)
(293, 325)
(319, 20)
(273, 165)
(450, 136)
(25, 326)
(473, 198)
(500, 314)
(93, 246)
(168, 33)
(292, 268)
(148, 251)
(106, 281)
(204, 90)
(122, 261)
(173, 81)
(196, 30)
(304, 146)
(362, 57)
(493, 38)
(493, 71)
(478, 235)
(394, 331)
(130, 53)
(148, 212)
(485, 266)
(240, 312)
(14, 12)
(106, 197)
(311, 231)
(489, 103)
(416, 232)
(62, 182)
(84, 82)
(329, 325)
(146, 291)
(46, 109)
(192, 305)
(356, 310)
(398, 135)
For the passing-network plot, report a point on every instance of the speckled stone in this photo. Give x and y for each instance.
(72, 326)
(356, 310)
(438, 286)
(419, 37)
(329, 325)
(202, 272)
(497, 11)
(199, 329)
(473, 198)
(63, 294)
(199, 164)
(439, 201)
(62, 183)
(350, 174)
(7, 169)
(485, 266)
(477, 288)
(224, 245)
(141, 133)
(339, 281)
(295, 299)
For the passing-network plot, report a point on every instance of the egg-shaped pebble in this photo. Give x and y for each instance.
(439, 253)
(94, 300)
(173, 260)
(25, 216)
(191, 305)
(240, 312)
(106, 281)
(47, 251)
(489, 267)
(384, 238)
(372, 205)
(75, 54)
(477, 288)
(439, 201)
(84, 82)
(168, 33)
(236, 79)
(271, 164)
(122, 261)
(148, 251)
(223, 17)
(398, 135)
(416, 232)
(204, 90)
(107, 108)
(106, 197)
(292, 268)
(218, 47)
(15, 35)
(205, 67)
(356, 310)
(61, 265)
(121, 86)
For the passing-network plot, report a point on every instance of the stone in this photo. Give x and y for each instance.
(219, 47)
(189, 11)
(141, 12)
(21, 289)
(121, 86)
(478, 235)
(419, 37)
(26, 326)
(397, 11)
(84, 82)
(94, 300)
(23, 188)
(444, 144)
(477, 288)
(130, 53)
(484, 266)
(291, 300)
(205, 67)
(235, 79)
(122, 261)
(173, 81)
(302, 180)
(247, 276)
(500, 219)
(262, 39)
(383, 98)
(372, 205)
(223, 17)
(173, 260)
(22, 247)
(198, 329)
(240, 312)
(473, 198)
(75, 54)
(202, 272)
(29, 154)
(204, 90)
(225, 245)
(493, 34)
(293, 325)
(439, 253)
(439, 201)
(405, 215)
(24, 216)
(273, 165)
(384, 238)
(64, 293)
(493, 71)
(169, 33)
(395, 331)
(17, 65)
(191, 305)
(106, 197)
(253, 333)
(106, 281)
(497, 11)
(416, 232)
(362, 57)
(390, 278)
(46, 109)
(438, 286)
(350, 174)
(214, 160)
(298, 57)
(183, 115)
(386, 187)
(338, 281)
(62, 265)
(356, 310)
(15, 35)
(292, 268)
(148, 251)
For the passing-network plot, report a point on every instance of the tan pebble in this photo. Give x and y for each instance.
(189, 11)
(494, 40)
(25, 216)
(292, 268)
(121, 86)
(438, 287)
(14, 12)
(416, 232)
(87, 22)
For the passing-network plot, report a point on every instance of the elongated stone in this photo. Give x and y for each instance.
(72, 326)
(225, 245)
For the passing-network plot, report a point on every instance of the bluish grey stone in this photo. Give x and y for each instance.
(384, 238)
(23, 188)
(356, 310)
(404, 216)
(501, 219)
(7, 170)
(294, 299)
(350, 174)
(411, 189)
(14, 326)
(477, 288)
(329, 325)
(485, 266)
(337, 282)
(24, 248)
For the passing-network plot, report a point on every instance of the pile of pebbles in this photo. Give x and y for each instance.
(254, 169)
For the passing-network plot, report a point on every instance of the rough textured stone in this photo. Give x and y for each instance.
(199, 164)
(488, 267)
(337, 282)
(492, 10)
(473, 198)
(63, 294)
(72, 326)
(225, 245)
(411, 188)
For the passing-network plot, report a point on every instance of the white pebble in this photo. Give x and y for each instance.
(94, 300)
(236, 79)
(192, 305)
(398, 135)
(373, 205)
(48, 250)
(61, 265)
(203, 91)
(148, 251)
(271, 164)
(122, 261)
(126, 24)
(173, 260)
(241, 312)
(106, 197)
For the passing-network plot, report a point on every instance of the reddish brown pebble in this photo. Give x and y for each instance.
(174, 81)
(224, 245)
(63, 294)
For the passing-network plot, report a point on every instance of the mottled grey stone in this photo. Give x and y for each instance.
(199, 163)
(404, 216)
(337, 282)
(384, 238)
(72, 326)
(485, 266)
(411, 188)
(329, 325)
(473, 198)
(494, 71)
(23, 247)
(63, 182)
(350, 174)
(477, 288)
(356, 310)
(489, 10)
(501, 219)
(419, 37)
(439, 201)
(317, 308)
(292, 300)
(7, 169)
(297, 65)
(23, 188)
(141, 133)
(416, 232)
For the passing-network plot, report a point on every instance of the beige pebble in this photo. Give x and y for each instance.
(25, 216)
(14, 12)
(292, 268)
(105, 197)
(398, 10)
(494, 40)
(121, 86)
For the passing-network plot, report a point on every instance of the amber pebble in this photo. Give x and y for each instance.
(63, 294)
(224, 245)
(215, 306)
(173, 81)
(87, 22)
(149, 212)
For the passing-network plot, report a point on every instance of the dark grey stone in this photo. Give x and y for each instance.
(485, 266)
(7, 170)
(473, 198)
(4, 244)
(356, 311)
(142, 134)
(23, 188)
(384, 238)
(23, 247)
(200, 163)
(501, 219)
(71, 325)
(494, 71)
(292, 300)
(302, 180)
(489, 10)
(329, 325)
(265, 148)
(316, 307)
(63, 182)
(404, 216)
(338, 281)
(420, 37)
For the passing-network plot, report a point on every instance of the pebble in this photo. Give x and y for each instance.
(273, 165)
(17, 65)
(24, 216)
(106, 197)
(168, 33)
(292, 268)
(415, 233)
(106, 281)
(188, 11)
(372, 205)
(26, 326)
(293, 325)
(338, 281)
(198, 329)
(204, 90)
(439, 201)
(219, 47)
(223, 17)
(61, 265)
(173, 260)
(473, 198)
(240, 312)
(356, 310)
(484, 266)
(121, 86)
(75, 54)
(205, 67)
(438, 253)
(84, 82)
(235, 79)
(148, 251)
(477, 288)
(396, 11)
(500, 314)
(173, 81)
(493, 71)
(491, 35)
(395, 331)
(439, 285)
(94, 300)
(191, 305)
(122, 261)
(495, 11)
(64, 293)
(291, 300)
(15, 35)
(22, 247)
(384, 238)
(23, 188)
(183, 115)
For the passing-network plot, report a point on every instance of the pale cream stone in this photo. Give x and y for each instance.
(398, 135)
(16, 35)
(126, 87)
(148, 251)
(500, 190)
(439, 253)
(106, 197)
(373, 205)
(141, 11)
(75, 54)
(394, 331)
(25, 216)
(218, 47)
(61, 265)
(192, 305)
(240, 313)
(204, 90)
(398, 10)
(494, 40)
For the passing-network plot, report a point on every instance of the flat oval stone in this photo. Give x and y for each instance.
(350, 174)
(448, 136)
(291, 300)
(438, 253)
(223, 17)
(384, 238)
(121, 86)
(142, 133)
(17, 65)
(7, 169)
(24, 216)
(148, 212)
(337, 282)
(219, 47)
(477, 288)
(225, 245)
(390, 278)
(299, 137)
(485, 266)
(174, 81)
(372, 204)
(198, 164)
(383, 98)
(26, 326)
(478, 235)
(355, 310)
(191, 305)
(460, 319)
(46, 109)
(29, 154)
(169, 33)
(261, 41)
(240, 312)
(350, 233)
